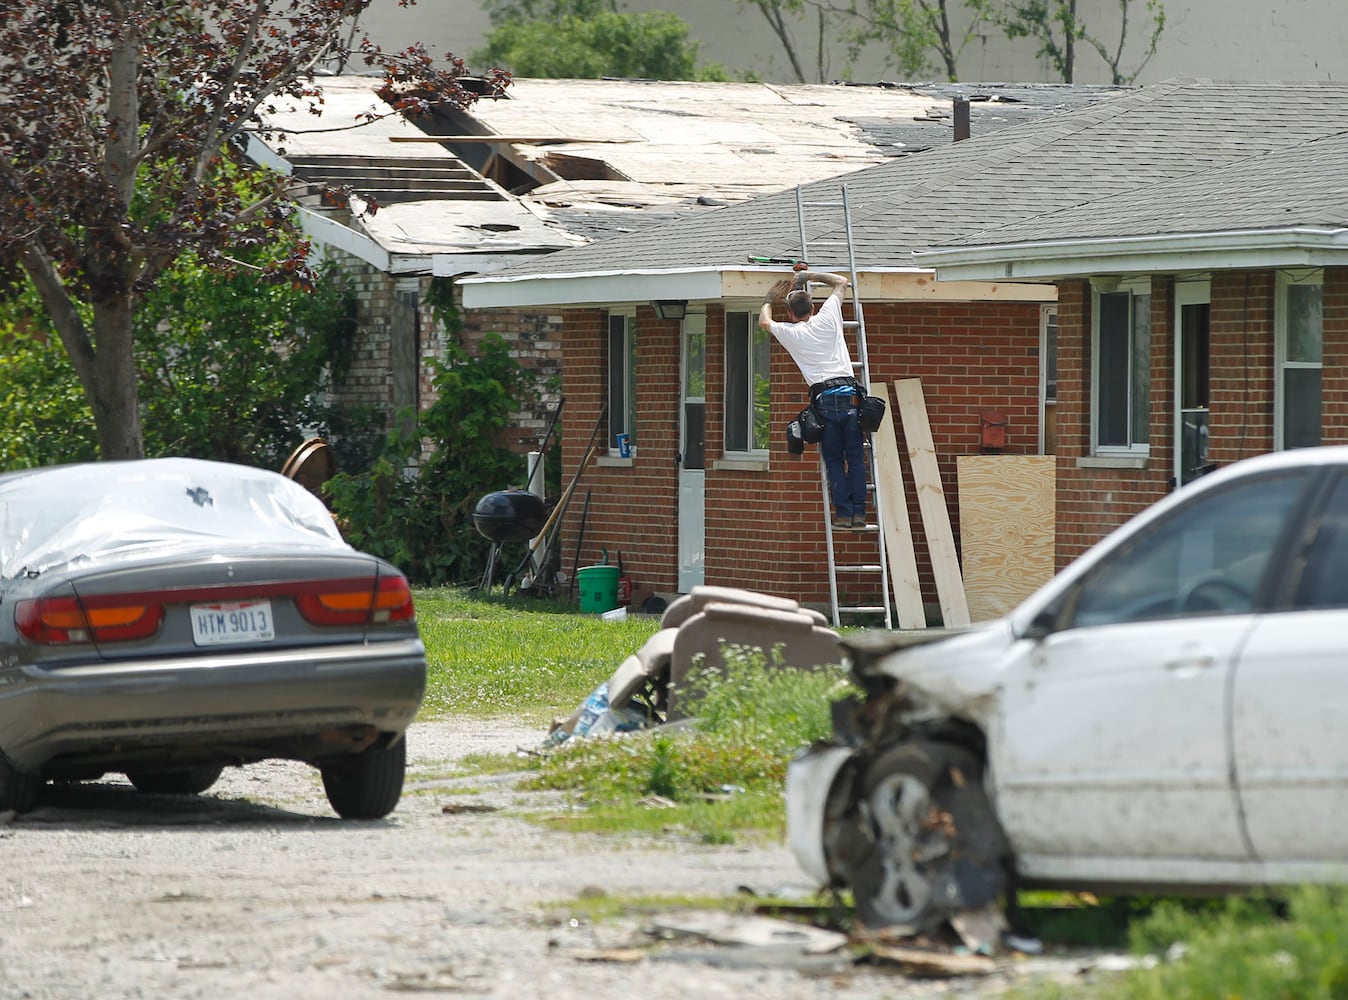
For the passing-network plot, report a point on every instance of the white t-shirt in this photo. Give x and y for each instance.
(817, 344)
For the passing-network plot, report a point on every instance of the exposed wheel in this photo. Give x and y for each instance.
(18, 790)
(179, 781)
(366, 785)
(932, 844)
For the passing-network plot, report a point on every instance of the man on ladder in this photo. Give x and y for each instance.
(817, 345)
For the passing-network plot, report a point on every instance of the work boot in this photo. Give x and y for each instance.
(842, 522)
(858, 522)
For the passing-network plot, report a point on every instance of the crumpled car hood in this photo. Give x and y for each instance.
(956, 673)
(83, 515)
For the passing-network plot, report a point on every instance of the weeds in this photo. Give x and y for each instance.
(718, 778)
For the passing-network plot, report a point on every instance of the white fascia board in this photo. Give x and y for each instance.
(331, 233)
(1297, 247)
(450, 265)
(494, 291)
(263, 155)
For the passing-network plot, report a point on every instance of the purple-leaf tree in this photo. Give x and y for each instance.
(115, 118)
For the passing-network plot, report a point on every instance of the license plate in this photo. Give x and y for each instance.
(232, 622)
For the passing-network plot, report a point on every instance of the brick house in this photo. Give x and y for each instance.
(985, 336)
(1191, 338)
(561, 163)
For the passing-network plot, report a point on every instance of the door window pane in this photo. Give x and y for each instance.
(1304, 341)
(1301, 407)
(1207, 557)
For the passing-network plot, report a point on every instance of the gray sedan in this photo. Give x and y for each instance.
(167, 618)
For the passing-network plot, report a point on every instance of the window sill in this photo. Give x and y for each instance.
(615, 462)
(745, 464)
(1112, 462)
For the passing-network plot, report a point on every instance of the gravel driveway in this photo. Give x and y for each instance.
(256, 890)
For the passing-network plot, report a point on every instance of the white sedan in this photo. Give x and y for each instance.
(1167, 714)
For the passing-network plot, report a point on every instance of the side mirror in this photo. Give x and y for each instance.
(1043, 624)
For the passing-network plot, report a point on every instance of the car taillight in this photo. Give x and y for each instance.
(356, 602)
(56, 621)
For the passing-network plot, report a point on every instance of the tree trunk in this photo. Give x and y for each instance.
(111, 384)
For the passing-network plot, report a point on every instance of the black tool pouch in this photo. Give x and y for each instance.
(870, 413)
(811, 427)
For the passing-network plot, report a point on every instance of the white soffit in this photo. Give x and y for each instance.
(590, 289)
(1298, 247)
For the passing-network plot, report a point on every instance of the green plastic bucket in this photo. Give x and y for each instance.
(598, 588)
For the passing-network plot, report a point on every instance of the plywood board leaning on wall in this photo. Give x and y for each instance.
(1007, 529)
(899, 545)
(945, 564)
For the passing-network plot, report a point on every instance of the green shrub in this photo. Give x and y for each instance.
(422, 521)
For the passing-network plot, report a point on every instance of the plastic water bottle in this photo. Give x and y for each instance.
(595, 706)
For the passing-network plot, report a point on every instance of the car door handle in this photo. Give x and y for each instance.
(1191, 664)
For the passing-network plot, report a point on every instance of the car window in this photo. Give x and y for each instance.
(1322, 577)
(1206, 557)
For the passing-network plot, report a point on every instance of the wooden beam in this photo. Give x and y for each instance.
(931, 500)
(887, 287)
(898, 531)
(522, 139)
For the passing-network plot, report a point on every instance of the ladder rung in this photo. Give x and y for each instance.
(874, 609)
(822, 204)
(867, 568)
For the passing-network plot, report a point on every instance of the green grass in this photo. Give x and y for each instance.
(525, 658)
(1244, 948)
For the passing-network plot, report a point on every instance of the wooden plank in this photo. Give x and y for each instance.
(931, 501)
(894, 507)
(1007, 529)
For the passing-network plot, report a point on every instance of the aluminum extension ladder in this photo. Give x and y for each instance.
(861, 368)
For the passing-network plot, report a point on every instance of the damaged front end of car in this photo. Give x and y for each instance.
(893, 807)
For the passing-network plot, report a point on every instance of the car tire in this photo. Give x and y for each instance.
(933, 844)
(366, 785)
(179, 781)
(18, 790)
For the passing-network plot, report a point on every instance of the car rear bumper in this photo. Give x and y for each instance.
(244, 705)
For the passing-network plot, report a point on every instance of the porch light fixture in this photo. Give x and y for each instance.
(671, 308)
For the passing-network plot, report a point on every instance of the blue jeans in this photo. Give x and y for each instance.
(843, 453)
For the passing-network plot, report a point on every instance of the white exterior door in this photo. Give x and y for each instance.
(1191, 379)
(692, 453)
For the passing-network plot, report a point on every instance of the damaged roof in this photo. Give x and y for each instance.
(561, 163)
(1014, 176)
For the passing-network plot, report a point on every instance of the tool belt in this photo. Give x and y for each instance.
(819, 388)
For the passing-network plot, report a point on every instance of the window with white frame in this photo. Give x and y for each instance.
(747, 402)
(1299, 358)
(1121, 376)
(622, 380)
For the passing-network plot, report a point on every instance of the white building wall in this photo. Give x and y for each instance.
(1220, 39)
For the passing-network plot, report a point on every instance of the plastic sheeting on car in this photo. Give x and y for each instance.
(84, 514)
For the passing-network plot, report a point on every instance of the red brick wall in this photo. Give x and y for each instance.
(1334, 384)
(1094, 501)
(765, 529)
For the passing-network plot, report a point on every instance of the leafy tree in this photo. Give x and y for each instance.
(1057, 28)
(424, 523)
(44, 414)
(589, 39)
(236, 372)
(97, 96)
(918, 35)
